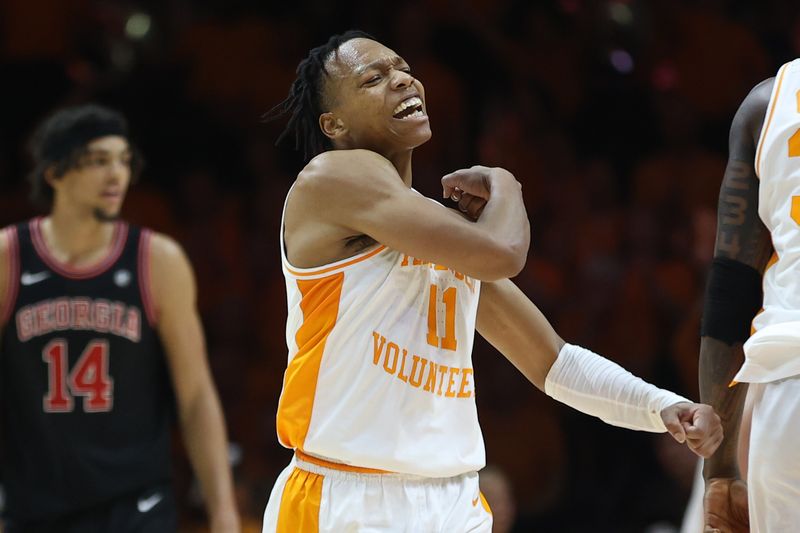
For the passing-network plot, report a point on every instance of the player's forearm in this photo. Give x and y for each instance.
(599, 387)
(719, 362)
(203, 428)
(511, 323)
(505, 218)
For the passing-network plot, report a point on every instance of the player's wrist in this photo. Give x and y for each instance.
(226, 521)
(717, 468)
(501, 180)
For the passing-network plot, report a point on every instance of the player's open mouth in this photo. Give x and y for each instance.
(410, 108)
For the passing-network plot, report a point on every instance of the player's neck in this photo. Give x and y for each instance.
(402, 162)
(76, 238)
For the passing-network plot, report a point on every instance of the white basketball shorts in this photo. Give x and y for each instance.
(313, 496)
(773, 478)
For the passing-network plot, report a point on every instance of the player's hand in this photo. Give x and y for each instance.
(471, 206)
(696, 424)
(725, 506)
(475, 181)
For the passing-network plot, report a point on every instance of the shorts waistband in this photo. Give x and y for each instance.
(324, 467)
(304, 460)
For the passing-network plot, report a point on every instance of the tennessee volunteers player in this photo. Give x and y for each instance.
(757, 266)
(385, 290)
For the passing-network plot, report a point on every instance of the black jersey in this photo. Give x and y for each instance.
(87, 405)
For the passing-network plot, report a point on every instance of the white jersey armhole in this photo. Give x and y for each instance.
(773, 101)
(328, 268)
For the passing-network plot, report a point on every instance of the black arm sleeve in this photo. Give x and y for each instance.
(733, 297)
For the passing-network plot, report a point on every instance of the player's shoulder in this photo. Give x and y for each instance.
(7, 240)
(170, 270)
(342, 166)
(747, 124)
(6, 260)
(337, 159)
(761, 93)
(164, 249)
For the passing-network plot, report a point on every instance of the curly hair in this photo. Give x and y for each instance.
(61, 139)
(304, 103)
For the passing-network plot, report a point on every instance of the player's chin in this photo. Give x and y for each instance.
(420, 136)
(106, 214)
(412, 132)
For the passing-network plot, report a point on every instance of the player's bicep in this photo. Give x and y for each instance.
(741, 235)
(178, 325)
(5, 275)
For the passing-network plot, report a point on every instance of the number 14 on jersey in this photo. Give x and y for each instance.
(89, 378)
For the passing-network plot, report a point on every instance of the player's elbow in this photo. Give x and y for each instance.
(505, 261)
(514, 256)
(514, 262)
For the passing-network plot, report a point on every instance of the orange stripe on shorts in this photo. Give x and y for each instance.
(300, 503)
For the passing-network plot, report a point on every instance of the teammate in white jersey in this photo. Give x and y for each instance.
(383, 287)
(759, 217)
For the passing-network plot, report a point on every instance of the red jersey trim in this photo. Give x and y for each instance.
(118, 244)
(13, 275)
(144, 276)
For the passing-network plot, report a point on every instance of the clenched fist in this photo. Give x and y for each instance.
(696, 424)
(472, 187)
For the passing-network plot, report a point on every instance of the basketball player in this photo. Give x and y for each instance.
(383, 287)
(100, 340)
(759, 216)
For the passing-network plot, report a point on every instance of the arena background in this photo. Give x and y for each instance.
(613, 115)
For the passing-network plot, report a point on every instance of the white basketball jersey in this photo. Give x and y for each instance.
(773, 351)
(380, 367)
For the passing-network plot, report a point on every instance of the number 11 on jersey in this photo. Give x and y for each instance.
(448, 342)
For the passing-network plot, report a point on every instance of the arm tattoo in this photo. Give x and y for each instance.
(741, 235)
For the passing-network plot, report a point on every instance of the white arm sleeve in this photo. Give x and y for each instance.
(596, 386)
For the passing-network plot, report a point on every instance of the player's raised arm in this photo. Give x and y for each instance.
(199, 410)
(584, 380)
(361, 192)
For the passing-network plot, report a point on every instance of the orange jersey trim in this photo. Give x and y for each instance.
(770, 263)
(769, 120)
(337, 466)
(300, 503)
(485, 503)
(320, 306)
(310, 272)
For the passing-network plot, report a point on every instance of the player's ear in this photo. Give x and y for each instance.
(50, 176)
(331, 126)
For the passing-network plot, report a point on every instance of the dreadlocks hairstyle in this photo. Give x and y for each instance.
(303, 105)
(61, 139)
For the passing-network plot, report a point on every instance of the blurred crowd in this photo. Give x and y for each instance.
(612, 114)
